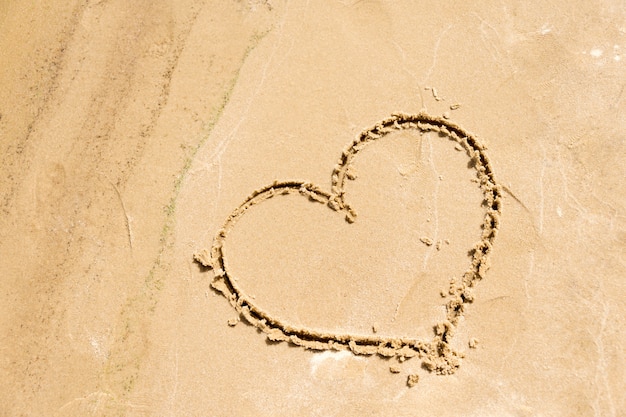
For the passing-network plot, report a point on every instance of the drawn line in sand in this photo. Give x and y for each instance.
(437, 355)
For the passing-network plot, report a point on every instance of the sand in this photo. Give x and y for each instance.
(288, 208)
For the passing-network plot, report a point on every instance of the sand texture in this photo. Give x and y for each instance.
(348, 208)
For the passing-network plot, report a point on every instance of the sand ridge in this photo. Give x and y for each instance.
(437, 354)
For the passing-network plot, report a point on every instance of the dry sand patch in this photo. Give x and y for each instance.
(130, 130)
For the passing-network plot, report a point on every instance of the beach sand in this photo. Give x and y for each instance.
(353, 208)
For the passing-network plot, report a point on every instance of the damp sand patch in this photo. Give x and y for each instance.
(436, 353)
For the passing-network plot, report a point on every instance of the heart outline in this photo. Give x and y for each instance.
(437, 354)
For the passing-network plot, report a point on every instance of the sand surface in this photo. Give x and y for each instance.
(131, 131)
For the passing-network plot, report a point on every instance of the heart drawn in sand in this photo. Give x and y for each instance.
(436, 353)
